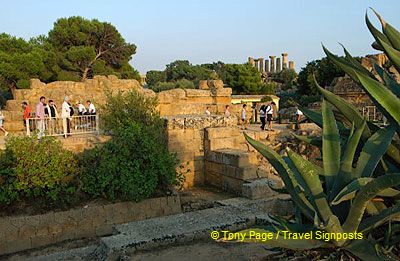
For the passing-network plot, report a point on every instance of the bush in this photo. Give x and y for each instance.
(136, 161)
(40, 169)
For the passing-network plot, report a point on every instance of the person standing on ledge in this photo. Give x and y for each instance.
(262, 117)
(243, 117)
(27, 112)
(1, 124)
(270, 111)
(40, 116)
(208, 113)
(227, 112)
(298, 114)
(65, 115)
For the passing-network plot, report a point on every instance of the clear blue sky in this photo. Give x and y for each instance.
(204, 31)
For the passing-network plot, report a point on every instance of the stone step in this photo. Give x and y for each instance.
(181, 228)
(233, 157)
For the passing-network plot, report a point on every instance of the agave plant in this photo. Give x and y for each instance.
(349, 193)
(334, 198)
(381, 87)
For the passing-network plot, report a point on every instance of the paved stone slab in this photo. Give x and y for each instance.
(179, 228)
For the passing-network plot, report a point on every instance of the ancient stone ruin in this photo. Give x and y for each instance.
(273, 65)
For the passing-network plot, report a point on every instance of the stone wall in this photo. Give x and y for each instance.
(186, 139)
(230, 161)
(90, 89)
(194, 101)
(27, 232)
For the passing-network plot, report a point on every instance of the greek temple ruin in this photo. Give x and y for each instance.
(273, 65)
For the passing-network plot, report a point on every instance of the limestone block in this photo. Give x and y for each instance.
(221, 132)
(258, 188)
(197, 93)
(245, 173)
(232, 184)
(213, 179)
(223, 92)
(214, 156)
(203, 85)
(171, 96)
(216, 84)
(224, 143)
(238, 158)
(214, 167)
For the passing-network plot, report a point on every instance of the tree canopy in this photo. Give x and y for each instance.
(75, 49)
(89, 47)
(324, 70)
(242, 78)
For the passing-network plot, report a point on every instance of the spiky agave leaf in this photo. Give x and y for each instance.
(330, 147)
(384, 216)
(291, 184)
(390, 32)
(375, 33)
(347, 109)
(372, 152)
(346, 164)
(350, 190)
(382, 95)
(310, 173)
(388, 80)
(316, 141)
(368, 192)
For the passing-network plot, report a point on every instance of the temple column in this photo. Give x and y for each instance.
(261, 68)
(278, 64)
(266, 66)
(284, 60)
(291, 65)
(272, 60)
(257, 64)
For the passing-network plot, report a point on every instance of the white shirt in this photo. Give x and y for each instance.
(81, 108)
(262, 113)
(91, 108)
(243, 113)
(299, 112)
(65, 110)
(269, 109)
(208, 113)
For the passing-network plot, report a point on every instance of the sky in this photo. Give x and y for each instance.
(204, 31)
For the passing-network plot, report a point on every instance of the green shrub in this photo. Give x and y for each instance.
(36, 169)
(136, 161)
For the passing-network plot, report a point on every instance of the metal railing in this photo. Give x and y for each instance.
(57, 126)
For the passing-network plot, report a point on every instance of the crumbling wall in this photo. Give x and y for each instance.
(186, 139)
(211, 94)
(90, 89)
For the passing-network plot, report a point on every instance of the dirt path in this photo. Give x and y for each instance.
(207, 251)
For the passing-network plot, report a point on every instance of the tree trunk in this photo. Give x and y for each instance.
(85, 74)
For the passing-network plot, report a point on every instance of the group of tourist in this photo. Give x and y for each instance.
(268, 113)
(49, 111)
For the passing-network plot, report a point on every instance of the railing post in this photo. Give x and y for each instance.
(97, 124)
(28, 129)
